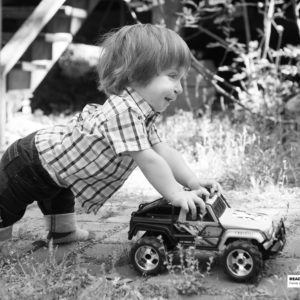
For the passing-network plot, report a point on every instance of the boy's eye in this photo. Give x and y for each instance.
(173, 75)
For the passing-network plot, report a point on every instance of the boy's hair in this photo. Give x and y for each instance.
(137, 53)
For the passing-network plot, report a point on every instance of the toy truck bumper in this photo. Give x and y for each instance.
(278, 240)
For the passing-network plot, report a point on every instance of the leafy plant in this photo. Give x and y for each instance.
(263, 77)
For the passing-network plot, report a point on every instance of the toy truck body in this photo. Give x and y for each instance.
(243, 238)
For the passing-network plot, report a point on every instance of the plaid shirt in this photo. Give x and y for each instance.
(89, 154)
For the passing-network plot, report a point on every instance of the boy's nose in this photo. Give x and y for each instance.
(178, 88)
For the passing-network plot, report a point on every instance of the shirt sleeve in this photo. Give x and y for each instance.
(127, 132)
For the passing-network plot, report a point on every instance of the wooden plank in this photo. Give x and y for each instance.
(22, 12)
(59, 36)
(21, 40)
(74, 12)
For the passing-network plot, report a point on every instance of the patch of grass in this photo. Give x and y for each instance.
(26, 278)
(238, 155)
(120, 288)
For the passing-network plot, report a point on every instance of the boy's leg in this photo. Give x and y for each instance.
(53, 200)
(13, 196)
(22, 181)
(60, 218)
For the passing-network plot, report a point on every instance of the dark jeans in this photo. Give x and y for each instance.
(24, 180)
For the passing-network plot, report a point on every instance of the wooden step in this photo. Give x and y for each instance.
(45, 46)
(29, 74)
(73, 12)
(57, 37)
(48, 37)
(41, 64)
(23, 12)
(25, 35)
(70, 21)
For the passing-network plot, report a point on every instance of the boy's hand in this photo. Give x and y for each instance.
(215, 187)
(202, 192)
(209, 185)
(188, 201)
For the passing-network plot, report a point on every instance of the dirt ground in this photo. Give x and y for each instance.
(111, 245)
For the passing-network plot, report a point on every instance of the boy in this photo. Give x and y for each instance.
(140, 69)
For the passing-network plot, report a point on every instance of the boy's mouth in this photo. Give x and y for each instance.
(169, 99)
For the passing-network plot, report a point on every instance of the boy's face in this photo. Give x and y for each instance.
(162, 89)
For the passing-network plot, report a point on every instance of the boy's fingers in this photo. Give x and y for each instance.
(192, 208)
(216, 188)
(198, 201)
(185, 206)
(202, 192)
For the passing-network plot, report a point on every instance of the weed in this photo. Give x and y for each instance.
(26, 278)
(186, 277)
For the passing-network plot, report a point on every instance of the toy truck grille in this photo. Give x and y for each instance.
(219, 207)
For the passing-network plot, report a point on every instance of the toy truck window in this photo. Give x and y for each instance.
(219, 207)
(206, 218)
(160, 212)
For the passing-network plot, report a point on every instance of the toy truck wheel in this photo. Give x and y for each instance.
(242, 261)
(148, 256)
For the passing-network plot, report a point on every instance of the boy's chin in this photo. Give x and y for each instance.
(161, 110)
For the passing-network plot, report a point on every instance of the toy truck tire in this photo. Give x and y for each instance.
(242, 261)
(148, 256)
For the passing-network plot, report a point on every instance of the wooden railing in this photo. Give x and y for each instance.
(18, 44)
(30, 29)
(12, 53)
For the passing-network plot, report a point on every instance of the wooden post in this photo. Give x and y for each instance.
(2, 93)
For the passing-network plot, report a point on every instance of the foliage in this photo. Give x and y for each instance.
(238, 155)
(264, 77)
(186, 276)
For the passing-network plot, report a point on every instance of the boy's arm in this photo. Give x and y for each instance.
(158, 172)
(183, 174)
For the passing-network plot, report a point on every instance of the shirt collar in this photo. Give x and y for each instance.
(142, 104)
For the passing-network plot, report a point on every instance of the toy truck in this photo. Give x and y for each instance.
(242, 238)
